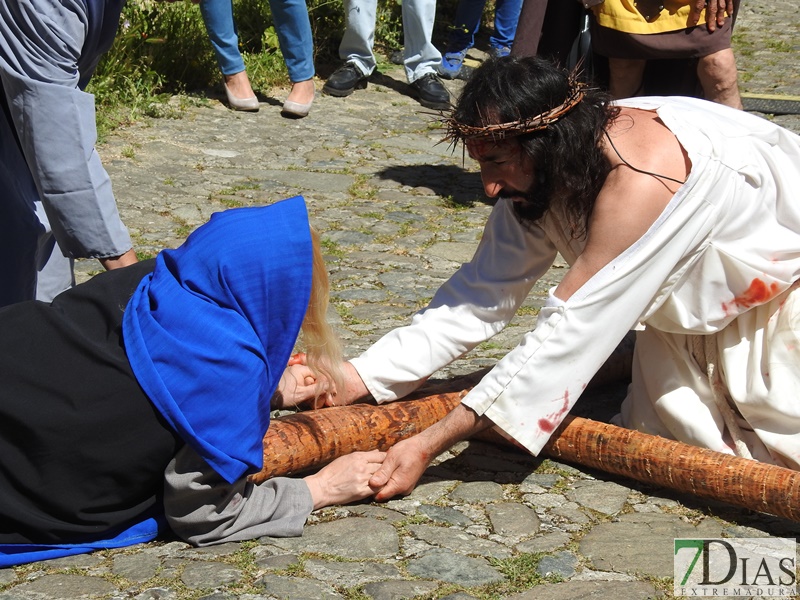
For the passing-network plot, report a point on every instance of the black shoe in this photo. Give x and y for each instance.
(431, 92)
(344, 80)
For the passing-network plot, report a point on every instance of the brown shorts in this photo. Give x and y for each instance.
(693, 42)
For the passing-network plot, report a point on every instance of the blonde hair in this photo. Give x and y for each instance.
(322, 346)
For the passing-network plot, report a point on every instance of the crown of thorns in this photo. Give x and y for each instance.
(456, 131)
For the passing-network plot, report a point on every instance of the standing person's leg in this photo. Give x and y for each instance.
(421, 56)
(529, 24)
(717, 71)
(506, 17)
(56, 272)
(462, 36)
(218, 19)
(466, 24)
(719, 78)
(359, 35)
(33, 265)
(355, 49)
(625, 77)
(297, 46)
(19, 227)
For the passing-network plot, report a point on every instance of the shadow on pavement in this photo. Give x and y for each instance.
(448, 181)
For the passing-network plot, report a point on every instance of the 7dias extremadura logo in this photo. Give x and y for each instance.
(748, 567)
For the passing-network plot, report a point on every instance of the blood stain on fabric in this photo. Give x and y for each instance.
(550, 422)
(757, 293)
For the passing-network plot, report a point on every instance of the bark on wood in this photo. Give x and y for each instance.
(307, 440)
(651, 459)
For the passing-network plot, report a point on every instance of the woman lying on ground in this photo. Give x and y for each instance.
(139, 399)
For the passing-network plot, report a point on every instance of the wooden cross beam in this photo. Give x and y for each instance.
(311, 439)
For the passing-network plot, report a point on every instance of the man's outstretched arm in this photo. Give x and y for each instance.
(407, 460)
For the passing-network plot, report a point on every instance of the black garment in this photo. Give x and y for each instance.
(82, 449)
(547, 29)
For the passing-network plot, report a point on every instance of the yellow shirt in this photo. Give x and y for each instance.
(622, 15)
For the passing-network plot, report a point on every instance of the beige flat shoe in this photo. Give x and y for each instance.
(245, 104)
(296, 110)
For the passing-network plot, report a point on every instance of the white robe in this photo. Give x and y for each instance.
(718, 261)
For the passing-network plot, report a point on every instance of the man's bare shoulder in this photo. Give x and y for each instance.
(639, 140)
(640, 150)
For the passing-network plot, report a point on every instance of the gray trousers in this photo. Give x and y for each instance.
(421, 56)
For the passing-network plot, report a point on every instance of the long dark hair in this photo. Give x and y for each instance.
(567, 155)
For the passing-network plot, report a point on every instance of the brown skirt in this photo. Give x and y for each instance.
(693, 42)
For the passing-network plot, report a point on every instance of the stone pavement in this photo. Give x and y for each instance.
(398, 214)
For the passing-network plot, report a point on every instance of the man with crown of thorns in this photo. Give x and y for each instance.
(679, 218)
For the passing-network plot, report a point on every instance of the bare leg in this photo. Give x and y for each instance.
(302, 92)
(239, 85)
(718, 76)
(345, 480)
(625, 77)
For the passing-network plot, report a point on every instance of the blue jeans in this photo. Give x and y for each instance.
(421, 56)
(291, 23)
(468, 21)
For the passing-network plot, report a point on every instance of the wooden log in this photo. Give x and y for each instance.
(311, 439)
(698, 471)
(306, 440)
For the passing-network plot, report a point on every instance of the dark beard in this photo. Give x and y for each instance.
(530, 206)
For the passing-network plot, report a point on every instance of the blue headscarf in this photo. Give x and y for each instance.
(209, 332)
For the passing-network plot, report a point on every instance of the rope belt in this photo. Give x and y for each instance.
(705, 352)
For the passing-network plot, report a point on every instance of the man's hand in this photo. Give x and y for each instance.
(407, 460)
(115, 262)
(354, 388)
(405, 463)
(716, 11)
